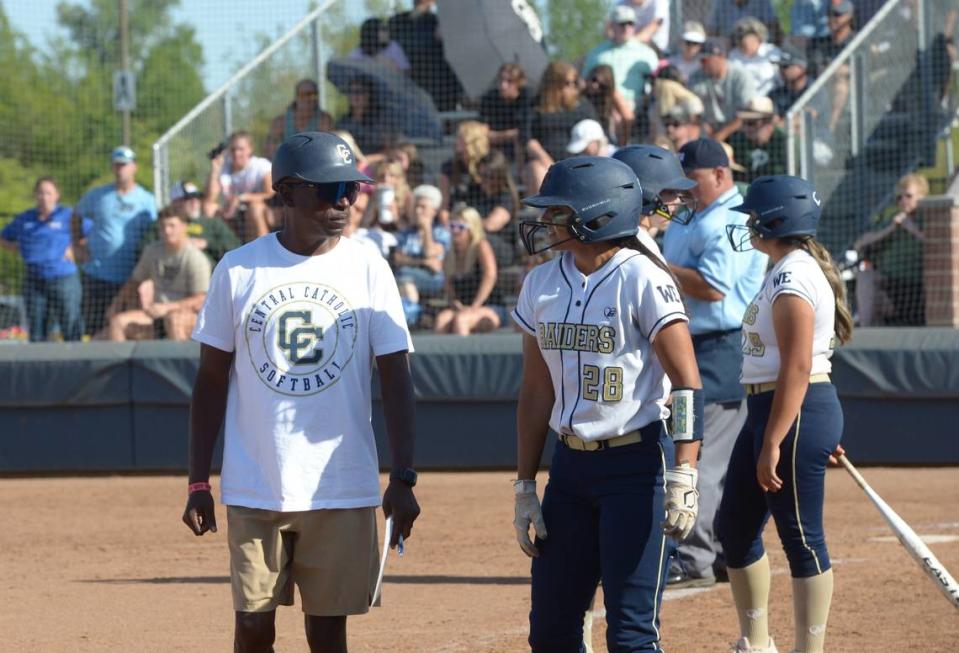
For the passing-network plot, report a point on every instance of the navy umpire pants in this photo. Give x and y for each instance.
(604, 512)
(797, 507)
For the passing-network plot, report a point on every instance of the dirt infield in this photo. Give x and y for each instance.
(104, 564)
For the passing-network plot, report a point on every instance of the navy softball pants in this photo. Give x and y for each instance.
(604, 512)
(797, 507)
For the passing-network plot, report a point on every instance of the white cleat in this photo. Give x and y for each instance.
(743, 646)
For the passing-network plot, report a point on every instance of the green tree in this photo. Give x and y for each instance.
(573, 27)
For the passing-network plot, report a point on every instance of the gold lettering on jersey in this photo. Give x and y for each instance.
(570, 336)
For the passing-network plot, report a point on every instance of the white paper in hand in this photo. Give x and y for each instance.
(387, 536)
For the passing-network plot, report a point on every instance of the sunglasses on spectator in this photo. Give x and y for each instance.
(332, 193)
(907, 196)
(672, 123)
(623, 24)
(457, 227)
(836, 14)
(754, 122)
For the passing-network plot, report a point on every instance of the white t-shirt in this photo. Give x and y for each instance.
(248, 180)
(646, 12)
(596, 333)
(798, 274)
(760, 66)
(304, 330)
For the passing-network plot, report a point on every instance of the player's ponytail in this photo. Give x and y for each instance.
(828, 267)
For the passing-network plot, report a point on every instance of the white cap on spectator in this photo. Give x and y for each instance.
(583, 133)
(694, 32)
(432, 193)
(759, 107)
(123, 154)
(622, 14)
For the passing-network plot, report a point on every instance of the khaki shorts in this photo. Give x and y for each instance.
(331, 555)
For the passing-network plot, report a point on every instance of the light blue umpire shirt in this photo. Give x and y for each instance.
(703, 246)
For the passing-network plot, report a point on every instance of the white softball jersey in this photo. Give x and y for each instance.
(798, 274)
(596, 333)
(304, 331)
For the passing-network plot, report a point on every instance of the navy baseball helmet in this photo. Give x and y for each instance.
(779, 206)
(316, 157)
(602, 196)
(658, 169)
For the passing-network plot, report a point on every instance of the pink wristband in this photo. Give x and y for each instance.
(198, 487)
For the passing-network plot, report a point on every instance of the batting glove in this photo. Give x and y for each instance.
(528, 511)
(682, 501)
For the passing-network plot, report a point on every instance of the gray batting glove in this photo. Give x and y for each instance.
(682, 501)
(528, 511)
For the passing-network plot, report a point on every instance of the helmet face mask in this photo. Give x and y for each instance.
(553, 228)
(675, 205)
(741, 235)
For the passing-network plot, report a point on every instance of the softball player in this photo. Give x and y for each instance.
(605, 335)
(794, 421)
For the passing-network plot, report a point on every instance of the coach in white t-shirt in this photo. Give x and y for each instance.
(290, 329)
(245, 182)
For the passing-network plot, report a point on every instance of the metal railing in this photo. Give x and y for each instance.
(244, 100)
(874, 113)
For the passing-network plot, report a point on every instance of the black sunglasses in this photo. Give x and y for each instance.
(332, 193)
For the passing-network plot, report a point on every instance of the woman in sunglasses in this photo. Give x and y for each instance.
(558, 107)
(475, 303)
(615, 114)
(795, 421)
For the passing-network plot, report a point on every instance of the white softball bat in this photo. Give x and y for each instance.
(910, 540)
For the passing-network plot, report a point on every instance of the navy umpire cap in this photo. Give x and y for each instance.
(317, 157)
(703, 153)
(604, 194)
(783, 205)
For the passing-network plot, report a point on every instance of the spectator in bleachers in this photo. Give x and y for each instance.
(809, 18)
(409, 157)
(364, 119)
(755, 54)
(303, 114)
(759, 144)
(120, 214)
(243, 183)
(376, 45)
(821, 51)
(690, 46)
(390, 206)
(417, 32)
(613, 112)
(209, 235)
(889, 288)
(558, 107)
(738, 170)
(795, 80)
(724, 86)
(668, 91)
(475, 302)
(506, 110)
(422, 242)
(726, 13)
(587, 138)
(683, 123)
(652, 22)
(51, 285)
(171, 278)
(632, 61)
(498, 203)
(354, 229)
(459, 176)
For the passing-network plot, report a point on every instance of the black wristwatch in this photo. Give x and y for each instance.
(404, 475)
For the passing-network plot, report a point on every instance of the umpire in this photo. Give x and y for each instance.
(718, 284)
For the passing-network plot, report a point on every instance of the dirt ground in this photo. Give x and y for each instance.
(104, 564)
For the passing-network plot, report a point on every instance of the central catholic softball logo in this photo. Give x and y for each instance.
(301, 336)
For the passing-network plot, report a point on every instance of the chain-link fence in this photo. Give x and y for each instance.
(456, 110)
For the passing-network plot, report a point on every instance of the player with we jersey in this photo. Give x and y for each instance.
(794, 417)
(605, 340)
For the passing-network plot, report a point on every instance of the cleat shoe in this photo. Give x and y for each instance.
(678, 579)
(743, 646)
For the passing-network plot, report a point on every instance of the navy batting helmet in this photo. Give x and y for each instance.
(778, 206)
(316, 157)
(659, 170)
(603, 196)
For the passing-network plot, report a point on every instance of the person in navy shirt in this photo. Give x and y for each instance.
(51, 286)
(121, 213)
(718, 285)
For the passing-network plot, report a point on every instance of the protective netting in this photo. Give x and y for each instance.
(457, 111)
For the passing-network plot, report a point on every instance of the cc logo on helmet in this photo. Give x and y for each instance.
(344, 153)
